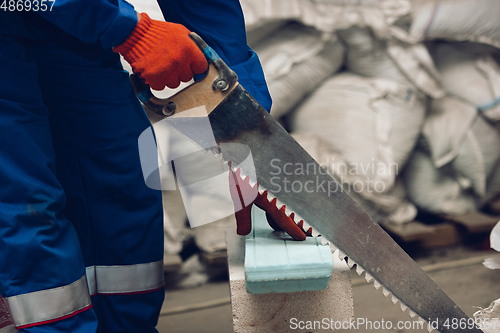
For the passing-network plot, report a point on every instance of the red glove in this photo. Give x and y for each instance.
(162, 53)
(277, 218)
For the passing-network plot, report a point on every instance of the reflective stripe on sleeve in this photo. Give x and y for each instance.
(125, 279)
(49, 305)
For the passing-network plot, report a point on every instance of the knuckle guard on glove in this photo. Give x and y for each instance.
(241, 191)
(163, 53)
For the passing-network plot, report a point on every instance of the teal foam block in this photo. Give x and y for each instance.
(274, 262)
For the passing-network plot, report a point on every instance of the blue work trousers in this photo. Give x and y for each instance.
(73, 201)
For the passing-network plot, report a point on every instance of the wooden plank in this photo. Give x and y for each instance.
(426, 236)
(274, 262)
(409, 232)
(171, 263)
(445, 234)
(218, 258)
(474, 222)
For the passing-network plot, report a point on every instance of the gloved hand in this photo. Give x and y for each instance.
(162, 53)
(241, 190)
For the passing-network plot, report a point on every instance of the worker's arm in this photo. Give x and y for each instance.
(105, 21)
(161, 52)
(221, 24)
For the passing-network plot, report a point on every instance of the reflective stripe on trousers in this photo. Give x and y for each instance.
(49, 305)
(58, 303)
(125, 279)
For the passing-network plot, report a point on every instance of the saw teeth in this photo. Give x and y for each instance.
(403, 307)
(251, 182)
(350, 263)
(359, 270)
(270, 197)
(242, 175)
(314, 233)
(306, 225)
(280, 205)
(261, 190)
(333, 248)
(394, 299)
(288, 211)
(296, 217)
(342, 255)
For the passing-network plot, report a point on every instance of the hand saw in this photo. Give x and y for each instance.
(236, 117)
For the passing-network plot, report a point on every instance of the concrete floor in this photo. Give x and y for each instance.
(470, 286)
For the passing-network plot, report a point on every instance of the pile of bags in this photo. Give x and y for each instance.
(402, 98)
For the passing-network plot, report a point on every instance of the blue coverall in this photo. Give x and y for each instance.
(80, 232)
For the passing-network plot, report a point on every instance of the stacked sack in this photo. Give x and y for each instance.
(296, 59)
(457, 166)
(373, 125)
(365, 128)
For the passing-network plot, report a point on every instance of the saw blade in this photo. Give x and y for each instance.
(291, 175)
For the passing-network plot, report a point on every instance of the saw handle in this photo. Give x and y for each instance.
(223, 80)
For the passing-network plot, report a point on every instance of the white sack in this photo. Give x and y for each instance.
(463, 20)
(296, 59)
(479, 159)
(394, 59)
(367, 120)
(390, 206)
(436, 190)
(291, 44)
(288, 91)
(372, 125)
(495, 238)
(327, 16)
(455, 135)
(446, 127)
(490, 317)
(469, 76)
